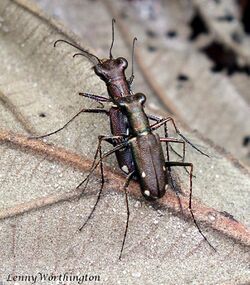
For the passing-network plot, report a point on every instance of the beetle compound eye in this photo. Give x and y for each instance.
(122, 62)
(140, 97)
(99, 71)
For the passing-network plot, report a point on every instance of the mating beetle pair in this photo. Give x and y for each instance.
(138, 150)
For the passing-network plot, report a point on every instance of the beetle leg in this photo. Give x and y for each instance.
(174, 140)
(125, 186)
(168, 146)
(97, 98)
(154, 118)
(93, 167)
(187, 164)
(169, 119)
(98, 150)
(99, 193)
(65, 125)
(169, 139)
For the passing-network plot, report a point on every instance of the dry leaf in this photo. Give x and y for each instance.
(40, 213)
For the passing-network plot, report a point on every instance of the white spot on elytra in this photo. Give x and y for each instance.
(127, 131)
(166, 187)
(125, 168)
(143, 174)
(147, 193)
(164, 168)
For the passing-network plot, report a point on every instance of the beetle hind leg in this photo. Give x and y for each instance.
(187, 164)
(125, 186)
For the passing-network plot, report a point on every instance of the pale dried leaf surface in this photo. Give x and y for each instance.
(162, 247)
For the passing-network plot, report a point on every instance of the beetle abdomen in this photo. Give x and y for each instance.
(119, 126)
(150, 165)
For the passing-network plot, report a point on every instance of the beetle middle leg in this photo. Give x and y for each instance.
(174, 140)
(168, 146)
(167, 139)
(169, 119)
(164, 121)
(188, 164)
(157, 120)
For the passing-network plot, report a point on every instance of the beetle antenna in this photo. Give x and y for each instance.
(93, 58)
(113, 38)
(131, 78)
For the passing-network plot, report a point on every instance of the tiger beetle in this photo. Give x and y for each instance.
(148, 157)
(138, 150)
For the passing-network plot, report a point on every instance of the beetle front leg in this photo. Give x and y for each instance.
(72, 119)
(99, 99)
(168, 146)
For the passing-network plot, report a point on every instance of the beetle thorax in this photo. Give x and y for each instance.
(132, 107)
